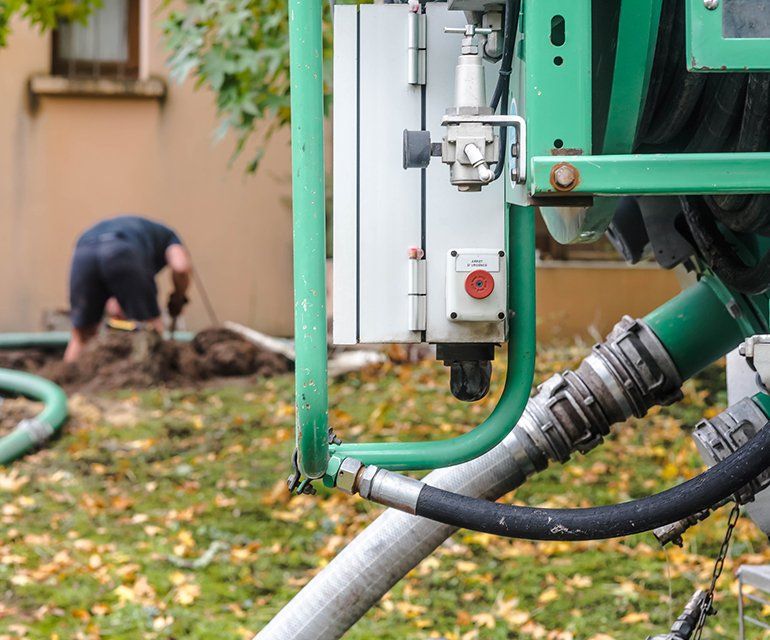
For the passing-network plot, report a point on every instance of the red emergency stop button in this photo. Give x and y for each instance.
(479, 284)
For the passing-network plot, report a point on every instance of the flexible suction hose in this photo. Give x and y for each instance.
(706, 113)
(31, 433)
(720, 255)
(60, 339)
(598, 523)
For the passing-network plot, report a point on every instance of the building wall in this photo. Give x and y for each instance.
(586, 299)
(73, 161)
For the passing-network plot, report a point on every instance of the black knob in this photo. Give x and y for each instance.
(417, 149)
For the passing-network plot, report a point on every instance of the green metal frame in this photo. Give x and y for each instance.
(708, 50)
(550, 71)
(309, 219)
(657, 174)
(539, 97)
(311, 399)
(405, 456)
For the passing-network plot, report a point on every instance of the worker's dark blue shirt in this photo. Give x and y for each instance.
(149, 238)
(118, 258)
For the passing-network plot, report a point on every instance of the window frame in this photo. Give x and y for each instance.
(84, 68)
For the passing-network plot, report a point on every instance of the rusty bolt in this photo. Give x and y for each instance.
(711, 4)
(564, 176)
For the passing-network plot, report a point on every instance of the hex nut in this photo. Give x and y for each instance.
(564, 176)
(347, 475)
(366, 479)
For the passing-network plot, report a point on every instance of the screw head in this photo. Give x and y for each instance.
(501, 315)
(453, 253)
(453, 315)
(711, 4)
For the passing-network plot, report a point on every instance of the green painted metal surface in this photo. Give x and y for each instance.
(658, 174)
(308, 202)
(709, 50)
(763, 402)
(405, 456)
(637, 35)
(701, 310)
(552, 81)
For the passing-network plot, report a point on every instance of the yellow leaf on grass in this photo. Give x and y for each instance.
(670, 471)
(635, 617)
(485, 620)
(186, 594)
(549, 595)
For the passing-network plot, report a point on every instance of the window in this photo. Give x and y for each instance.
(108, 46)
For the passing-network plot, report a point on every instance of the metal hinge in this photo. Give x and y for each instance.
(417, 48)
(418, 289)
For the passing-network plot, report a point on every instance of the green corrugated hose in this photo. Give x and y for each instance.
(33, 432)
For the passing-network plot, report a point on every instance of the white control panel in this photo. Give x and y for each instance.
(475, 285)
(394, 227)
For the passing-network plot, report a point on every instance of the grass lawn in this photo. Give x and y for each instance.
(164, 514)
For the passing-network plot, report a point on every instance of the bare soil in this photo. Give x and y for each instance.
(120, 360)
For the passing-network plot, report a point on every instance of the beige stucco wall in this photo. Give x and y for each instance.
(76, 160)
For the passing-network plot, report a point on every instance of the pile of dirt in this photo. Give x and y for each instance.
(118, 360)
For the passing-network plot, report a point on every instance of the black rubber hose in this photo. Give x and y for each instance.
(599, 523)
(703, 113)
(504, 78)
(510, 27)
(720, 255)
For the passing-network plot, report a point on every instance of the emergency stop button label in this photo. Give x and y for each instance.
(472, 262)
(479, 284)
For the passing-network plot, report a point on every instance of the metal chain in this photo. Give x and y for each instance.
(719, 566)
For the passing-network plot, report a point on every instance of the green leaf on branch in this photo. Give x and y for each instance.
(239, 49)
(44, 14)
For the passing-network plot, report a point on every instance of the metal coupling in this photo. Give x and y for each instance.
(624, 376)
(717, 439)
(389, 489)
(721, 436)
(686, 624)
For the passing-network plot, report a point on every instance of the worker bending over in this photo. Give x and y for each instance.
(114, 267)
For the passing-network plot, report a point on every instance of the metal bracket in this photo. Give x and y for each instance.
(756, 350)
(519, 144)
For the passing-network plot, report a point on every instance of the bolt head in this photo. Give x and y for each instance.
(711, 4)
(565, 176)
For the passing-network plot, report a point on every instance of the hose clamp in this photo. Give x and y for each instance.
(38, 431)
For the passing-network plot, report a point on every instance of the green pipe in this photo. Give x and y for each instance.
(58, 339)
(308, 203)
(39, 339)
(31, 433)
(404, 456)
(701, 310)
